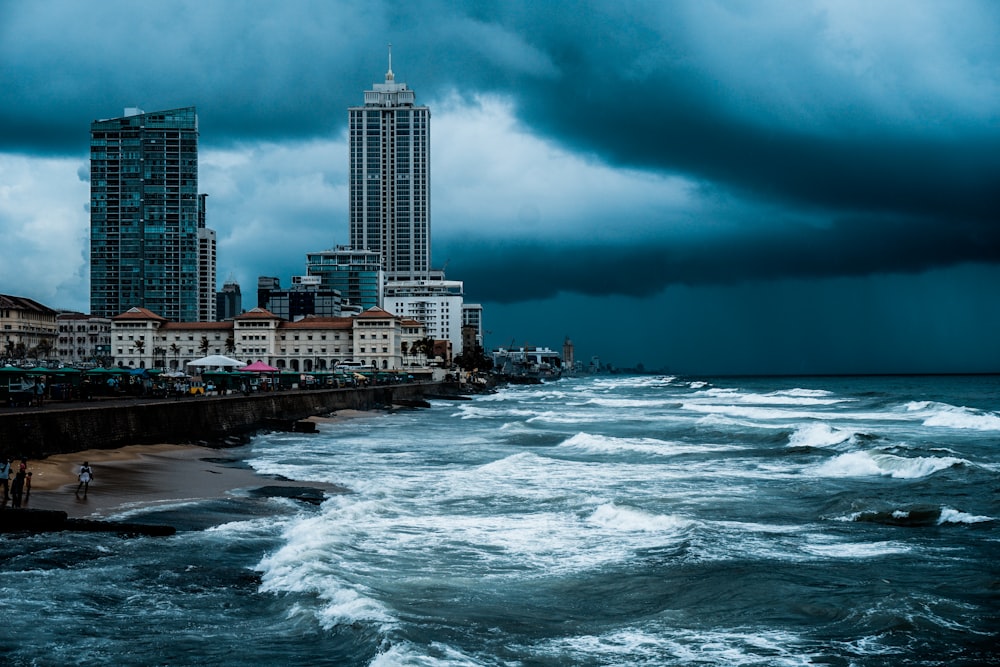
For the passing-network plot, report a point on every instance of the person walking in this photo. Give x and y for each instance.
(17, 489)
(27, 487)
(86, 475)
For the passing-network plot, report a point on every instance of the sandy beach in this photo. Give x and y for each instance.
(140, 475)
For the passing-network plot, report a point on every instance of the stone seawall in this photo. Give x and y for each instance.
(75, 427)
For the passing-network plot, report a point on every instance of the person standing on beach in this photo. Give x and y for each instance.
(27, 487)
(39, 391)
(86, 475)
(17, 489)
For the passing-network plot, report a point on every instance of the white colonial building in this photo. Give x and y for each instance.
(373, 339)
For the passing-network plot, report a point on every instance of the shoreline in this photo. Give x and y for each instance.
(144, 476)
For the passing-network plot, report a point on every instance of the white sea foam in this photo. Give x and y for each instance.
(660, 643)
(857, 549)
(950, 416)
(783, 397)
(406, 654)
(861, 464)
(603, 444)
(620, 518)
(818, 435)
(949, 515)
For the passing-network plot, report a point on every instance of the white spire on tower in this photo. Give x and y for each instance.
(389, 76)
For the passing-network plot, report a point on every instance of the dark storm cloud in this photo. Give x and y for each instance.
(850, 247)
(882, 117)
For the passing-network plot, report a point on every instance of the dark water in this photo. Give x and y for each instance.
(591, 521)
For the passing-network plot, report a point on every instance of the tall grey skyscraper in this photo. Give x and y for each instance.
(145, 216)
(390, 178)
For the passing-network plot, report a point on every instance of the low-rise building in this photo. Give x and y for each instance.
(373, 339)
(83, 339)
(27, 328)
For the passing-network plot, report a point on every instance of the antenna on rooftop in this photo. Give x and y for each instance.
(389, 76)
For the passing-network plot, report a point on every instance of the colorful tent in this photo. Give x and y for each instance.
(259, 367)
(217, 360)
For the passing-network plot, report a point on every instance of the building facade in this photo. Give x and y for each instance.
(472, 326)
(355, 273)
(206, 268)
(389, 141)
(83, 339)
(435, 302)
(145, 215)
(228, 301)
(375, 339)
(27, 328)
(305, 296)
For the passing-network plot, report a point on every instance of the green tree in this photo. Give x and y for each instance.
(203, 345)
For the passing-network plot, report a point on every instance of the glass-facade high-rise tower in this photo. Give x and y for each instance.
(390, 179)
(145, 215)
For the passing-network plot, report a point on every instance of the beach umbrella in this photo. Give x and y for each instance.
(259, 367)
(217, 360)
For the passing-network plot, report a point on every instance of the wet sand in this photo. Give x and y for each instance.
(144, 475)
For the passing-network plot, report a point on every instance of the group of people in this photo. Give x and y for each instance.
(18, 490)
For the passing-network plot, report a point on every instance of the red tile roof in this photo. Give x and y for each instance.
(136, 313)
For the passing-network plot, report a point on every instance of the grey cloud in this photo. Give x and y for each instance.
(894, 139)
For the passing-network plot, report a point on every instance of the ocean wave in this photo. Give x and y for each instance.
(616, 517)
(663, 643)
(857, 549)
(915, 517)
(950, 416)
(949, 515)
(603, 444)
(781, 397)
(474, 412)
(630, 402)
(819, 435)
(863, 464)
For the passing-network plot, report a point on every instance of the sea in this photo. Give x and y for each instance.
(593, 520)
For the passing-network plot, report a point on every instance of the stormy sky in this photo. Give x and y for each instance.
(704, 187)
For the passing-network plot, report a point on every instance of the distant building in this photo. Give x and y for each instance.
(27, 328)
(435, 302)
(306, 296)
(567, 354)
(83, 338)
(389, 141)
(206, 273)
(357, 274)
(228, 301)
(472, 322)
(145, 215)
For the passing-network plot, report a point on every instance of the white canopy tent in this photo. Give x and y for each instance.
(216, 361)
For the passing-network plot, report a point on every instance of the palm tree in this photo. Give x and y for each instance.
(203, 345)
(230, 344)
(43, 349)
(140, 347)
(404, 348)
(175, 349)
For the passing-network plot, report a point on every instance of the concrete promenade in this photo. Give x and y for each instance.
(66, 427)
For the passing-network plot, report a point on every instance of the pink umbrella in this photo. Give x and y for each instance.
(259, 367)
